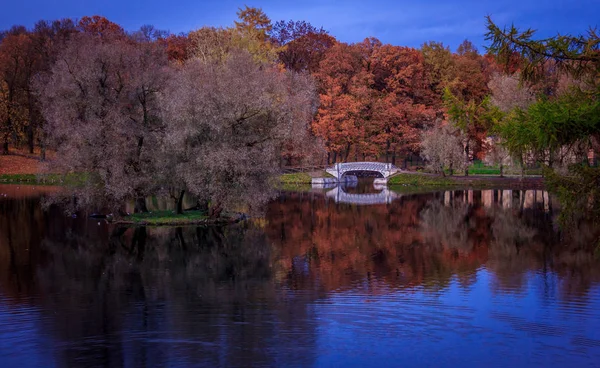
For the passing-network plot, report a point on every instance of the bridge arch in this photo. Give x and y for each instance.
(383, 169)
(359, 173)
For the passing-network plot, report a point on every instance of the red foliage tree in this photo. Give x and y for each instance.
(100, 26)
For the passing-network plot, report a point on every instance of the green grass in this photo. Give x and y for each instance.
(484, 171)
(302, 177)
(479, 168)
(165, 218)
(296, 178)
(420, 180)
(449, 182)
(294, 187)
(43, 179)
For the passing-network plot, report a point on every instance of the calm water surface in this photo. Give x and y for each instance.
(465, 278)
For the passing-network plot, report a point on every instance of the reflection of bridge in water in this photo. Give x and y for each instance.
(385, 196)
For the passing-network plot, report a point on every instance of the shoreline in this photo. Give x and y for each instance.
(206, 222)
(423, 180)
(301, 180)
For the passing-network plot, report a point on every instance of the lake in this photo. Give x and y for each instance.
(446, 279)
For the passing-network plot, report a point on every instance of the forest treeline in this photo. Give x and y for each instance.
(149, 111)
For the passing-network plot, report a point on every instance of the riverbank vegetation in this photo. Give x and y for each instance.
(217, 112)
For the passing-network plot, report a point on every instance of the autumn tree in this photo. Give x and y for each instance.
(440, 65)
(99, 26)
(302, 46)
(470, 82)
(17, 62)
(474, 120)
(338, 120)
(179, 47)
(405, 102)
(251, 33)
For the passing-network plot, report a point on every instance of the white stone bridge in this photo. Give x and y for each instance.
(384, 169)
(385, 196)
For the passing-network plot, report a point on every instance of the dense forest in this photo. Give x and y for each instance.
(217, 110)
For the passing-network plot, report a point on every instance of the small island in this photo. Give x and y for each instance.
(171, 218)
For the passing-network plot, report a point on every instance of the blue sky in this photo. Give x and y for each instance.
(402, 22)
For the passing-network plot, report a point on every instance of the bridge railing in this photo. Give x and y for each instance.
(341, 165)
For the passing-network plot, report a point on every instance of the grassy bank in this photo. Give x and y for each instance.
(434, 181)
(420, 180)
(42, 179)
(295, 178)
(299, 181)
(170, 218)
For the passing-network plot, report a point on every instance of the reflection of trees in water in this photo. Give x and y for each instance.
(421, 240)
(22, 226)
(332, 247)
(107, 292)
(512, 239)
(187, 281)
(448, 226)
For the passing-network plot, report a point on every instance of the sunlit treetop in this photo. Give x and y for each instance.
(254, 20)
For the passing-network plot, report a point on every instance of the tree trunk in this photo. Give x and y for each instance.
(215, 211)
(394, 157)
(501, 170)
(30, 136)
(522, 167)
(5, 146)
(347, 152)
(387, 151)
(140, 205)
(179, 206)
(43, 150)
(203, 206)
(335, 157)
(467, 159)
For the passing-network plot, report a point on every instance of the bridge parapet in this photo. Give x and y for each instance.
(340, 169)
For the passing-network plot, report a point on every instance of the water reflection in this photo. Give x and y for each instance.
(340, 195)
(451, 278)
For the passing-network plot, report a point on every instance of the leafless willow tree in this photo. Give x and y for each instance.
(225, 124)
(101, 102)
(509, 93)
(442, 147)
